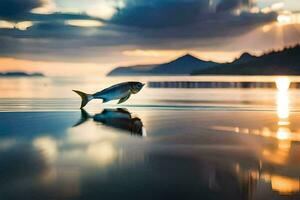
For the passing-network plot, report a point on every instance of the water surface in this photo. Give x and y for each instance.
(164, 143)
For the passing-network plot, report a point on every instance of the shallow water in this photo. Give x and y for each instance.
(162, 144)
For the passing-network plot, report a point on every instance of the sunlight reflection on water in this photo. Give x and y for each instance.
(55, 93)
(281, 154)
(209, 150)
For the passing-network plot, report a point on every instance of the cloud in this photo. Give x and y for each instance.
(230, 5)
(16, 9)
(48, 6)
(167, 13)
(36, 10)
(19, 25)
(6, 24)
(84, 23)
(160, 13)
(137, 24)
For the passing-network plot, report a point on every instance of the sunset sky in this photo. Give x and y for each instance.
(76, 37)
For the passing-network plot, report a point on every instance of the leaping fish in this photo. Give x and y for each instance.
(120, 91)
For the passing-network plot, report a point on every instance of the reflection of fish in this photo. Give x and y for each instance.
(120, 91)
(116, 118)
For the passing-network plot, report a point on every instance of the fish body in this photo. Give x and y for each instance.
(120, 91)
(114, 92)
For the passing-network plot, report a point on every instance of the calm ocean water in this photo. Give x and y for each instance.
(199, 143)
(55, 93)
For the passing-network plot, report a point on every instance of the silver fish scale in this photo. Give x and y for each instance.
(115, 92)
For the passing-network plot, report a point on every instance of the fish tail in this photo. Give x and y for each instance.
(85, 98)
(84, 117)
(104, 100)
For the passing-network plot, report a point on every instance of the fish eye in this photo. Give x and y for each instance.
(140, 85)
(136, 87)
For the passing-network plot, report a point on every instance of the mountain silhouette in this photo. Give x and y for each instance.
(245, 57)
(20, 74)
(283, 62)
(183, 65)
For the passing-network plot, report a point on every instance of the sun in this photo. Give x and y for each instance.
(283, 83)
(284, 19)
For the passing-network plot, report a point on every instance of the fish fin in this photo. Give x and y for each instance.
(106, 110)
(85, 98)
(124, 99)
(105, 100)
(84, 117)
(123, 110)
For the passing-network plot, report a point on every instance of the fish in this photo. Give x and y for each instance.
(121, 91)
(119, 118)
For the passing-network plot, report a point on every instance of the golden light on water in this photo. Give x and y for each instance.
(48, 146)
(282, 100)
(102, 153)
(282, 184)
(283, 133)
(285, 185)
(283, 83)
(280, 156)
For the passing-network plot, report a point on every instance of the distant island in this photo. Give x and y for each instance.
(20, 74)
(281, 62)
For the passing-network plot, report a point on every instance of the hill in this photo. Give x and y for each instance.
(283, 62)
(131, 70)
(20, 74)
(184, 65)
